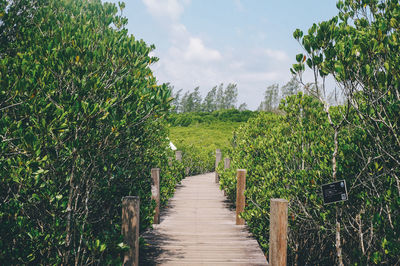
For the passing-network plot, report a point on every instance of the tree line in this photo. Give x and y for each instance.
(225, 97)
(218, 98)
(273, 94)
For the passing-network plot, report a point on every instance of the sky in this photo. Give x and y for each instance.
(208, 42)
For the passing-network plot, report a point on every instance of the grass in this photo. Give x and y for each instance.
(206, 136)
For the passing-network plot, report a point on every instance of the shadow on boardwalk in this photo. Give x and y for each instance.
(198, 228)
(155, 241)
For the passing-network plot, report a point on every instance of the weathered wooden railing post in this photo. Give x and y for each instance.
(187, 171)
(130, 229)
(155, 192)
(227, 163)
(218, 157)
(278, 232)
(240, 199)
(178, 156)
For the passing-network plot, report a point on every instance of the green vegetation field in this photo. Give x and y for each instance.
(212, 136)
(199, 142)
(199, 134)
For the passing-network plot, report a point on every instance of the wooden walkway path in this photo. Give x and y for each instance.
(198, 228)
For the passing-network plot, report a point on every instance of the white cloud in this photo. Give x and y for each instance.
(186, 51)
(239, 5)
(239, 31)
(191, 64)
(276, 54)
(262, 36)
(178, 30)
(236, 65)
(196, 51)
(171, 9)
(184, 45)
(266, 76)
(188, 61)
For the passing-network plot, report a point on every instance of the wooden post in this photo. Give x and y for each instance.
(240, 199)
(130, 229)
(227, 163)
(155, 192)
(170, 161)
(178, 156)
(278, 232)
(218, 157)
(187, 170)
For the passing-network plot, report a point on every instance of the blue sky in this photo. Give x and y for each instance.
(205, 43)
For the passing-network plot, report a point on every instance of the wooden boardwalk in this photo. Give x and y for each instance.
(198, 228)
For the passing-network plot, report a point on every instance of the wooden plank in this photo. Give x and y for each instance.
(199, 228)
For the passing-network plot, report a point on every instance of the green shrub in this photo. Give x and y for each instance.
(170, 176)
(197, 160)
(82, 123)
(227, 115)
(289, 156)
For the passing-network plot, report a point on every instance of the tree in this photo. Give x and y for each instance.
(359, 48)
(217, 98)
(220, 99)
(80, 121)
(230, 96)
(226, 98)
(209, 103)
(186, 103)
(270, 102)
(290, 88)
(176, 100)
(242, 107)
(197, 100)
(13, 18)
(191, 101)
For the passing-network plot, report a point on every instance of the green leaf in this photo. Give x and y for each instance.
(299, 57)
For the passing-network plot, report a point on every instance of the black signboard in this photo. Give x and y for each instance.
(334, 192)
